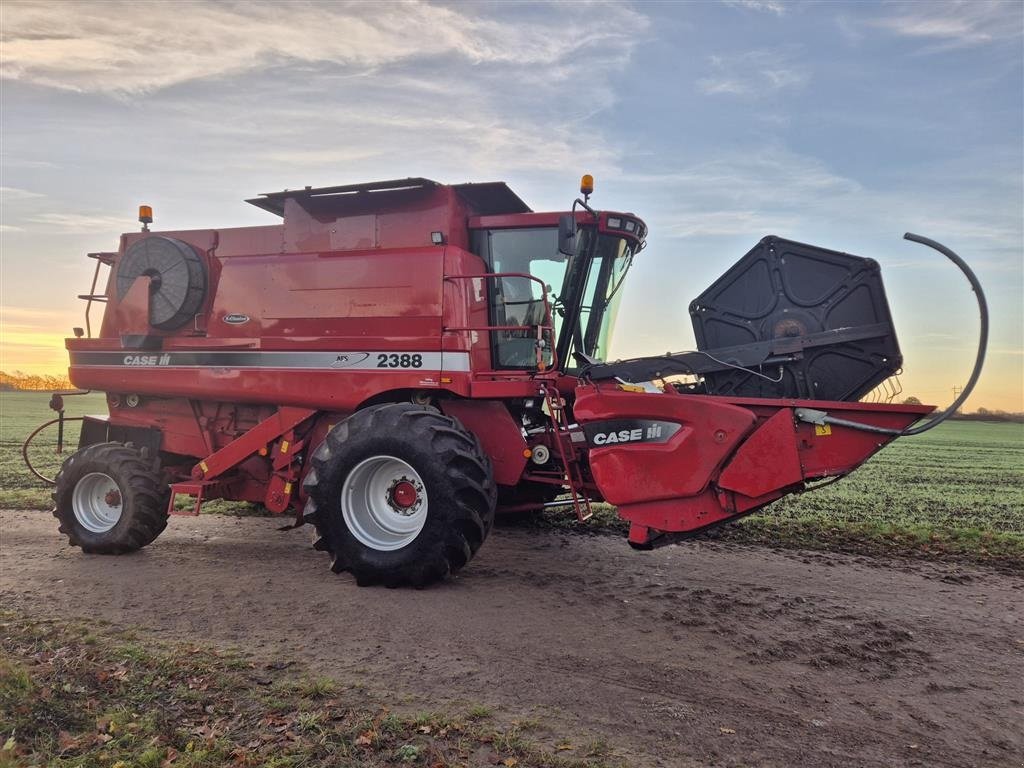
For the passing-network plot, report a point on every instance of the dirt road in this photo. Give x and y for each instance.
(697, 654)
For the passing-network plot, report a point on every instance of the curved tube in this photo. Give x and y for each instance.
(31, 437)
(982, 339)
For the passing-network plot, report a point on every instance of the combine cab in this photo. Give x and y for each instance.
(394, 362)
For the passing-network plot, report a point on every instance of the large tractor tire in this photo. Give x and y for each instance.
(110, 498)
(400, 495)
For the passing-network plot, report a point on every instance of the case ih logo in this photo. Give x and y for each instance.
(621, 431)
(145, 360)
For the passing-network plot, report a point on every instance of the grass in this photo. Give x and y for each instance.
(20, 413)
(118, 701)
(957, 491)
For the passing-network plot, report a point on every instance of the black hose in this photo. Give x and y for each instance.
(982, 339)
(31, 437)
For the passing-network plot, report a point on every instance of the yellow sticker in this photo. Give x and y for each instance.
(202, 466)
(823, 429)
(284, 446)
(287, 488)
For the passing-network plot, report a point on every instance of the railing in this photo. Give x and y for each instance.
(539, 329)
(91, 296)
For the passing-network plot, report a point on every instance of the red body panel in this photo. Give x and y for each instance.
(498, 433)
(729, 457)
(680, 467)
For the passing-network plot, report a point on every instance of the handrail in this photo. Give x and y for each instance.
(91, 296)
(548, 326)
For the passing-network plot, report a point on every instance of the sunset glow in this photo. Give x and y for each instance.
(838, 124)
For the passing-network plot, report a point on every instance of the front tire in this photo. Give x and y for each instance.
(110, 499)
(400, 494)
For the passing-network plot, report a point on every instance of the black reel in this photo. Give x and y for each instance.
(177, 275)
(827, 307)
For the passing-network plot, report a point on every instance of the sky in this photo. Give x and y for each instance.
(839, 124)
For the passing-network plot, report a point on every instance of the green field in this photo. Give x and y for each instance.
(20, 413)
(964, 480)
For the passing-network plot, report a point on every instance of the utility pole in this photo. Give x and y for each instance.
(956, 393)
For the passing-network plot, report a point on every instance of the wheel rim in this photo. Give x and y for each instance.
(384, 503)
(97, 502)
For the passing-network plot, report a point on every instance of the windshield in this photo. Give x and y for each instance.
(584, 291)
(601, 294)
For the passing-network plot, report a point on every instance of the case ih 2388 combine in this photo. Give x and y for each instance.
(394, 362)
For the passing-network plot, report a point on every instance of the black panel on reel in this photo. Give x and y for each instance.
(177, 279)
(787, 290)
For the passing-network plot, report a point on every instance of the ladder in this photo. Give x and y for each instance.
(573, 475)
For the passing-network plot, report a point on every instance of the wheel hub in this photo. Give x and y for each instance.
(404, 496)
(384, 503)
(96, 502)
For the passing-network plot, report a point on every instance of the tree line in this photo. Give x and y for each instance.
(32, 381)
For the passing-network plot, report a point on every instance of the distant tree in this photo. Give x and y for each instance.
(911, 401)
(27, 381)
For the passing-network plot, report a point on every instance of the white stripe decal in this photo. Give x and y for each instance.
(359, 361)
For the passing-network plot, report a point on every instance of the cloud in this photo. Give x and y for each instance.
(956, 24)
(30, 315)
(13, 193)
(765, 6)
(752, 74)
(777, 190)
(76, 223)
(726, 223)
(770, 175)
(134, 48)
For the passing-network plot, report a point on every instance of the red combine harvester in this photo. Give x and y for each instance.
(396, 361)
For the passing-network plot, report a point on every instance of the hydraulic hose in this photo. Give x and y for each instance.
(821, 417)
(982, 337)
(31, 437)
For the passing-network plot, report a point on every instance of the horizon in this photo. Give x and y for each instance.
(841, 125)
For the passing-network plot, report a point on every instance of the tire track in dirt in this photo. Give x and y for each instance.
(811, 660)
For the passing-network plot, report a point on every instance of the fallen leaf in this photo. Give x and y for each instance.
(10, 744)
(564, 747)
(65, 741)
(510, 762)
(365, 739)
(727, 730)
(424, 729)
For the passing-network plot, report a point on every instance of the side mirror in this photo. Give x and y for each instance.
(567, 234)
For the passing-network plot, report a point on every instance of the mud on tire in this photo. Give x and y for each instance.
(457, 484)
(121, 504)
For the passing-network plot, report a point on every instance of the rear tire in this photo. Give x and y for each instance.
(400, 494)
(110, 499)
